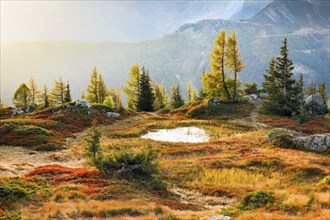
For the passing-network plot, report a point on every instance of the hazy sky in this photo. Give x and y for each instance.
(103, 20)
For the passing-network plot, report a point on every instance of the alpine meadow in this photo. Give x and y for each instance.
(167, 110)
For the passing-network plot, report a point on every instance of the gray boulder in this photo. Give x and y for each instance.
(290, 139)
(317, 142)
(112, 114)
(315, 104)
(214, 102)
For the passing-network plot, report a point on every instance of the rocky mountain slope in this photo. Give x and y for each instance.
(178, 57)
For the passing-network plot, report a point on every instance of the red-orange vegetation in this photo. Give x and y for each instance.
(58, 174)
(314, 126)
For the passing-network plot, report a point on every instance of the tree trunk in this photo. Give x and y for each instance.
(234, 95)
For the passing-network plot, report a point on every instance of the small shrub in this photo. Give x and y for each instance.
(123, 211)
(164, 111)
(326, 180)
(93, 148)
(87, 213)
(256, 200)
(282, 138)
(169, 217)
(59, 197)
(76, 195)
(15, 189)
(102, 107)
(158, 210)
(197, 111)
(6, 128)
(33, 130)
(128, 164)
(7, 215)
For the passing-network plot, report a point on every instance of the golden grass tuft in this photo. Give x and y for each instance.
(231, 177)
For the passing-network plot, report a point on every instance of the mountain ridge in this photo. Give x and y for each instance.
(175, 58)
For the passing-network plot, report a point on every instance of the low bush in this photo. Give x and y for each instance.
(33, 130)
(6, 128)
(282, 138)
(118, 212)
(128, 164)
(102, 107)
(256, 200)
(15, 189)
(326, 180)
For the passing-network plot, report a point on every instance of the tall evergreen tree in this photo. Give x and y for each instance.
(146, 96)
(159, 102)
(67, 97)
(132, 87)
(233, 61)
(300, 89)
(218, 62)
(283, 90)
(93, 88)
(194, 96)
(311, 88)
(211, 85)
(34, 90)
(322, 90)
(116, 97)
(44, 99)
(58, 92)
(176, 98)
(102, 89)
(189, 91)
(22, 96)
(82, 96)
(109, 101)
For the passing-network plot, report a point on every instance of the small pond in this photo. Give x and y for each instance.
(183, 134)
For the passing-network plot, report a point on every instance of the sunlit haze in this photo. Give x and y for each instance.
(103, 20)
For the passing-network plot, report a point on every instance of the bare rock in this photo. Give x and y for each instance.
(214, 102)
(317, 142)
(315, 104)
(290, 139)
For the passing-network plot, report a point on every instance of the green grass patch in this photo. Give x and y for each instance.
(256, 200)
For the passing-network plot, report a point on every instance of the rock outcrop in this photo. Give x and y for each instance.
(317, 142)
(290, 139)
(214, 102)
(315, 104)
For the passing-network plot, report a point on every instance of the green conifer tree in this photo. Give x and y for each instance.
(58, 91)
(218, 64)
(44, 99)
(233, 61)
(322, 90)
(93, 87)
(176, 98)
(146, 96)
(311, 88)
(132, 87)
(34, 90)
(67, 97)
(22, 96)
(282, 89)
(102, 89)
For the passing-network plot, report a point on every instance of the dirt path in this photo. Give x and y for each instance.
(252, 120)
(196, 198)
(20, 160)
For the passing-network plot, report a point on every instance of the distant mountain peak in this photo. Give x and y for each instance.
(285, 13)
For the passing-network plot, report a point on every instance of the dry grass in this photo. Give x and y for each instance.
(238, 160)
(227, 178)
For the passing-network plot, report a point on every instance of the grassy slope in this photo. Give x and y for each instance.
(230, 166)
